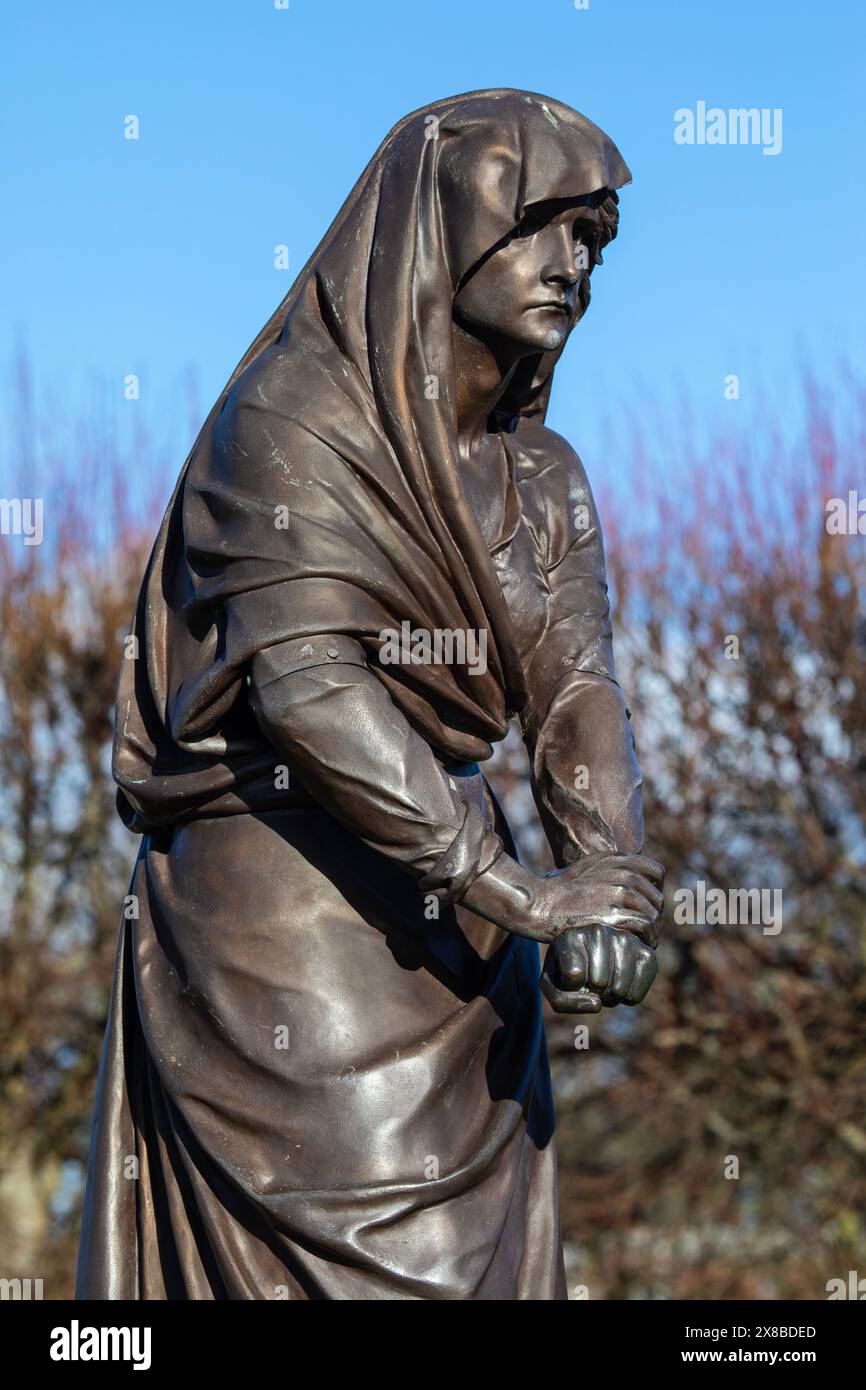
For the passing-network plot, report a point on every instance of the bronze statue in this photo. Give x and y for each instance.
(325, 1072)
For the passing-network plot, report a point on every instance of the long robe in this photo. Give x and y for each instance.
(323, 1076)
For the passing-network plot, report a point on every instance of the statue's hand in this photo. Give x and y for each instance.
(608, 889)
(587, 968)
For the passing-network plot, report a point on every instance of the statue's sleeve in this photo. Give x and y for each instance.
(340, 732)
(585, 776)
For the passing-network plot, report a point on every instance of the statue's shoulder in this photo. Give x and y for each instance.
(262, 424)
(547, 458)
(549, 470)
(266, 388)
(555, 493)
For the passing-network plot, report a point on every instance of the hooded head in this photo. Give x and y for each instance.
(359, 358)
(448, 185)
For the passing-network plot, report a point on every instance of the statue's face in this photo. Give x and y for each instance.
(523, 295)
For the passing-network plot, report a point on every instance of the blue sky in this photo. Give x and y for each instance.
(156, 256)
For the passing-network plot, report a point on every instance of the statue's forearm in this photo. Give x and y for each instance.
(358, 756)
(586, 779)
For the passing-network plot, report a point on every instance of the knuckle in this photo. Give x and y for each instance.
(571, 972)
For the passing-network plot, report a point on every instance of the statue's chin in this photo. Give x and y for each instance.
(547, 335)
(553, 339)
(545, 340)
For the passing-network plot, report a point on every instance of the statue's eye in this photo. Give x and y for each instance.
(529, 224)
(587, 237)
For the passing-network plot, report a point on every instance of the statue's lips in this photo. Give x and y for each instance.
(561, 305)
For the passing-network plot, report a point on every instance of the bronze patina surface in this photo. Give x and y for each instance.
(325, 1052)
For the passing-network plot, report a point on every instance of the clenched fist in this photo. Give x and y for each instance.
(587, 968)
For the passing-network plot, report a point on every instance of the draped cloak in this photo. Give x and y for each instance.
(396, 1141)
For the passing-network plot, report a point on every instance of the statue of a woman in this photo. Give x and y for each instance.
(324, 1073)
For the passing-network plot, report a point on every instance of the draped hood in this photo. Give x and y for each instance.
(323, 494)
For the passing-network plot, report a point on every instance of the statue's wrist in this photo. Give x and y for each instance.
(511, 896)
